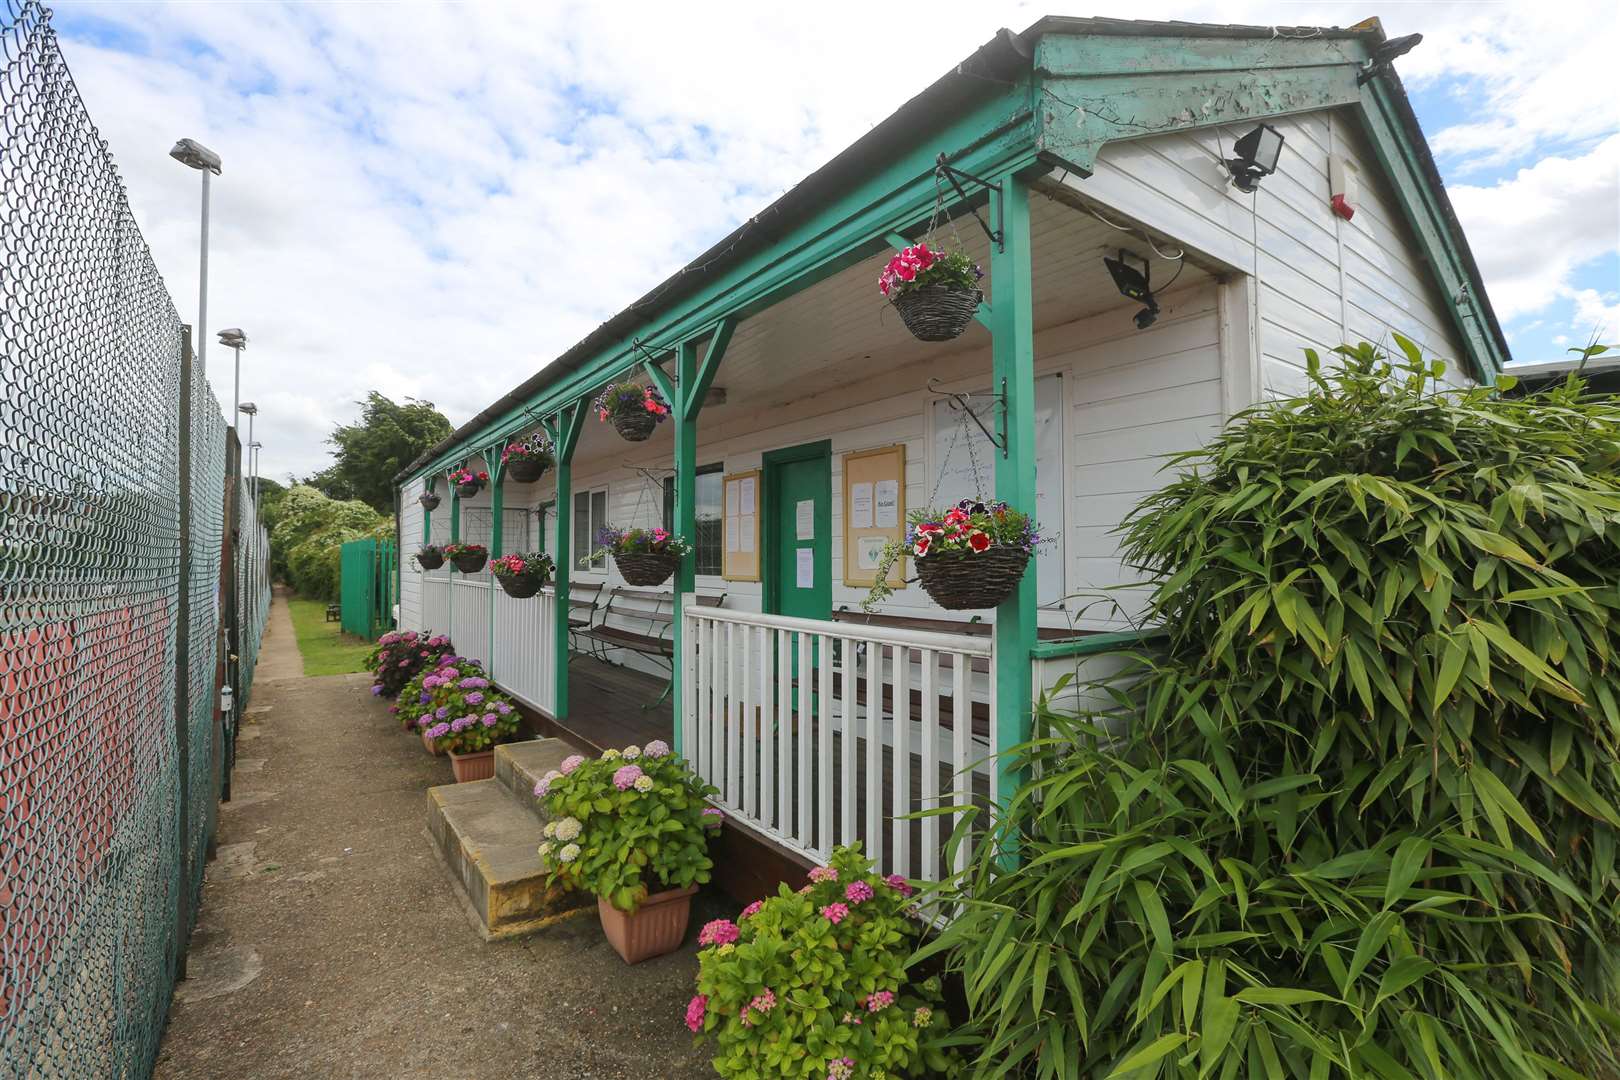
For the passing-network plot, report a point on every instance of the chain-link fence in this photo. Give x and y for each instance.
(113, 461)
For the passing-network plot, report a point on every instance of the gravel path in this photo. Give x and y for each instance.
(331, 944)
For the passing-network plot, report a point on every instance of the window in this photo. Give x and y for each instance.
(590, 517)
(710, 526)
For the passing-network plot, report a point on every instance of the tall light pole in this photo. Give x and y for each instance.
(252, 410)
(254, 459)
(191, 153)
(236, 341)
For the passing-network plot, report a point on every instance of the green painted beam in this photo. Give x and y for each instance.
(564, 432)
(1095, 644)
(716, 352)
(1013, 373)
(685, 512)
(662, 382)
(1139, 55)
(899, 242)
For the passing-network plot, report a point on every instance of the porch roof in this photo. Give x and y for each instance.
(987, 104)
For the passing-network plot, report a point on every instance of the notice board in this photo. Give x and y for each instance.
(743, 509)
(874, 513)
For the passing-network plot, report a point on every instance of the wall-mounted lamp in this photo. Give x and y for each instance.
(1256, 156)
(1133, 285)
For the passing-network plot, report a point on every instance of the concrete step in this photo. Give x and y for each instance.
(520, 765)
(488, 836)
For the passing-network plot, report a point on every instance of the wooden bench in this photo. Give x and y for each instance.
(655, 609)
(334, 613)
(582, 600)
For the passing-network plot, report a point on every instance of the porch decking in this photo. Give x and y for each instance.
(605, 706)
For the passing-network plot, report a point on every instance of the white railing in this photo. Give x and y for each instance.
(469, 616)
(435, 603)
(525, 655)
(824, 733)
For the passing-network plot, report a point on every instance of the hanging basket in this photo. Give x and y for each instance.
(635, 426)
(969, 580)
(646, 568)
(520, 586)
(937, 312)
(428, 500)
(527, 471)
(470, 564)
(469, 490)
(430, 560)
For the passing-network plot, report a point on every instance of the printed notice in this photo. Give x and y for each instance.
(731, 534)
(732, 490)
(804, 519)
(860, 505)
(807, 568)
(888, 504)
(868, 550)
(746, 525)
(745, 493)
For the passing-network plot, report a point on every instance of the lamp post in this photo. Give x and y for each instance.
(194, 155)
(251, 410)
(253, 459)
(236, 341)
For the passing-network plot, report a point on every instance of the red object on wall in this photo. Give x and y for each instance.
(1342, 207)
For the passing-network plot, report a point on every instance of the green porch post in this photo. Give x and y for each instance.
(497, 503)
(564, 432)
(1013, 336)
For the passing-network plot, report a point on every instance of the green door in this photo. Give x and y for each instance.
(798, 538)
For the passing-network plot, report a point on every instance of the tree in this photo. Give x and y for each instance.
(388, 437)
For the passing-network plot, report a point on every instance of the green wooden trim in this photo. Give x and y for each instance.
(710, 367)
(455, 516)
(665, 386)
(685, 512)
(810, 451)
(1013, 370)
(770, 542)
(1094, 644)
(993, 134)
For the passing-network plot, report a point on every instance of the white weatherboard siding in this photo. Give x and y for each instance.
(410, 538)
(1318, 280)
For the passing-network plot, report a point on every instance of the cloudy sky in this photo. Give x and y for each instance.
(435, 200)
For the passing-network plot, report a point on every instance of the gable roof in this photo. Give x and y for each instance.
(1007, 60)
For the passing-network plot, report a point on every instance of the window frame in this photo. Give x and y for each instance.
(716, 468)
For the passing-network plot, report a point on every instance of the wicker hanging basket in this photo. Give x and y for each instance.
(470, 564)
(520, 586)
(527, 470)
(969, 580)
(635, 426)
(646, 568)
(430, 560)
(937, 312)
(428, 500)
(469, 490)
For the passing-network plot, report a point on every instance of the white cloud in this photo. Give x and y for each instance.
(434, 200)
(1597, 315)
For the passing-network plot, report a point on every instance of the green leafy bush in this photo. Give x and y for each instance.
(813, 984)
(627, 824)
(1361, 819)
(310, 531)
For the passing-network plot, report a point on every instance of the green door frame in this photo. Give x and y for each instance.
(770, 577)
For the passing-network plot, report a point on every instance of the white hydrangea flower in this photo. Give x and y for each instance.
(550, 830)
(643, 783)
(610, 755)
(545, 850)
(631, 753)
(567, 828)
(569, 853)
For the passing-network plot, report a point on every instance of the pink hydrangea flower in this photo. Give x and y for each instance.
(763, 1003)
(625, 776)
(570, 763)
(719, 932)
(712, 818)
(751, 910)
(656, 748)
(835, 913)
(842, 1069)
(880, 1001)
(899, 884)
(857, 891)
(824, 873)
(696, 1010)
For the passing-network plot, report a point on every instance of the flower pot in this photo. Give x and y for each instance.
(965, 580)
(430, 560)
(527, 470)
(646, 568)
(428, 744)
(470, 564)
(520, 586)
(470, 767)
(657, 927)
(635, 426)
(428, 500)
(469, 490)
(937, 312)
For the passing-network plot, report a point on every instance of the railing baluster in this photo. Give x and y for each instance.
(767, 727)
(874, 752)
(807, 716)
(961, 743)
(784, 741)
(824, 746)
(900, 831)
(930, 869)
(848, 776)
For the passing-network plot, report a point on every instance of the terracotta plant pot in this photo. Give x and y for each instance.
(469, 490)
(470, 767)
(427, 744)
(657, 927)
(470, 564)
(527, 471)
(428, 500)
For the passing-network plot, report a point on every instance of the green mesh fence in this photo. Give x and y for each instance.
(96, 858)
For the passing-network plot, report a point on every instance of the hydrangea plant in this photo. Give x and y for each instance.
(813, 984)
(399, 656)
(463, 712)
(627, 824)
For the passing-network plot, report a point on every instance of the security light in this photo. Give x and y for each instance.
(233, 338)
(1133, 285)
(1257, 154)
(195, 154)
(249, 408)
